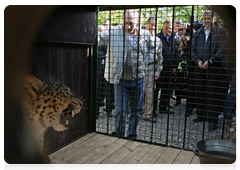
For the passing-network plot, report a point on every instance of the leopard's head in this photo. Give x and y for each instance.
(52, 103)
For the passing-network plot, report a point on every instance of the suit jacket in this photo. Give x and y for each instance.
(168, 52)
(201, 49)
(154, 51)
(118, 48)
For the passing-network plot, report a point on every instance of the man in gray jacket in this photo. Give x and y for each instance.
(125, 68)
(153, 61)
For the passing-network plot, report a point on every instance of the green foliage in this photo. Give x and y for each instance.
(146, 13)
(164, 13)
(116, 17)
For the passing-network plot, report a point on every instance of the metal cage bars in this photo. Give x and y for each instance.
(185, 120)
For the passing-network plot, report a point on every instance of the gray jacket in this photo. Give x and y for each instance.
(150, 59)
(117, 57)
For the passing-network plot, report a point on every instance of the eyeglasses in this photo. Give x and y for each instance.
(179, 23)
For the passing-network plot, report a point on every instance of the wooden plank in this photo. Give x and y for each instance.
(168, 156)
(74, 151)
(124, 151)
(137, 154)
(97, 148)
(69, 146)
(91, 151)
(184, 157)
(195, 164)
(106, 152)
(152, 156)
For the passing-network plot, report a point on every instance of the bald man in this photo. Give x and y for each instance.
(125, 68)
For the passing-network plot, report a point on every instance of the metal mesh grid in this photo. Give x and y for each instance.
(178, 129)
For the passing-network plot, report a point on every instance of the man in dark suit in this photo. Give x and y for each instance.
(208, 46)
(169, 67)
(104, 88)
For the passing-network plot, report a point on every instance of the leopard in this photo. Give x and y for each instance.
(48, 104)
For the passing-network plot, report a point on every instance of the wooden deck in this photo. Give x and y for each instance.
(102, 149)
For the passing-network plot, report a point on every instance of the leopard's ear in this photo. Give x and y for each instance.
(32, 84)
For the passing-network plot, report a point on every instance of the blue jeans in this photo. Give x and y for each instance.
(231, 97)
(134, 90)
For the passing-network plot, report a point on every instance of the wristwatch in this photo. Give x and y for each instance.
(210, 62)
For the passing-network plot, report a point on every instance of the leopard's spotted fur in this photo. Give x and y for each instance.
(49, 104)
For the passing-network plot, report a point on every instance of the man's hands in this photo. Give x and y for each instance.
(203, 66)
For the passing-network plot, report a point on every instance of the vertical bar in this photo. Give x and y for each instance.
(170, 78)
(189, 66)
(227, 86)
(155, 38)
(135, 114)
(121, 115)
(93, 92)
(109, 45)
(205, 108)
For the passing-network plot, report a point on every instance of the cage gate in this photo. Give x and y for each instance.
(185, 104)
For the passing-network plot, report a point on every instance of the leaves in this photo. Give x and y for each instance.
(164, 13)
(116, 17)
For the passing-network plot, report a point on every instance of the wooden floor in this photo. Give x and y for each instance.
(102, 149)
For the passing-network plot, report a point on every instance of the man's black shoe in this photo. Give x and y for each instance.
(166, 112)
(212, 127)
(114, 133)
(198, 119)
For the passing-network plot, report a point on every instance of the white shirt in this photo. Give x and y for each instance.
(207, 32)
(167, 36)
(132, 39)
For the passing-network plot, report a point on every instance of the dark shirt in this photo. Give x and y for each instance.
(169, 56)
(102, 51)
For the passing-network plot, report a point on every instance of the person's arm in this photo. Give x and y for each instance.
(220, 47)
(159, 59)
(194, 55)
(174, 57)
(144, 48)
(145, 35)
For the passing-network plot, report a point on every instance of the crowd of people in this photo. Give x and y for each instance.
(139, 65)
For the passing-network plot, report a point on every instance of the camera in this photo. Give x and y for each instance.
(196, 25)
